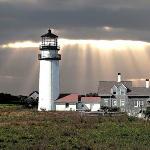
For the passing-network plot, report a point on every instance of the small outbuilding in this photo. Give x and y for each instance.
(91, 103)
(67, 103)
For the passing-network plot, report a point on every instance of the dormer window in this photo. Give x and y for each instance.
(114, 90)
(122, 90)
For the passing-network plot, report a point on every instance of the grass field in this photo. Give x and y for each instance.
(24, 129)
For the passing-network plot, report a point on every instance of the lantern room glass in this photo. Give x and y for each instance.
(47, 41)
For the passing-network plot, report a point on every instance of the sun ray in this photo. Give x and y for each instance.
(84, 62)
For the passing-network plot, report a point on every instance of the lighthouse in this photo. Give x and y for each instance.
(49, 72)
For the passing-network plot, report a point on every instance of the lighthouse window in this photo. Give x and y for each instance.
(67, 105)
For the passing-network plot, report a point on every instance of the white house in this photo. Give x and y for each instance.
(67, 103)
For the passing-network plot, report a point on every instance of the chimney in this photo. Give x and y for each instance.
(147, 83)
(119, 77)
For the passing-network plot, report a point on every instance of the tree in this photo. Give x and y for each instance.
(147, 112)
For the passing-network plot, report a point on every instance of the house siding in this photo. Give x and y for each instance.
(134, 105)
(62, 107)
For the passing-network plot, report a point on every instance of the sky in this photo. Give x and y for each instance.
(98, 39)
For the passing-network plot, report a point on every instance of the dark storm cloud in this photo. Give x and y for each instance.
(26, 20)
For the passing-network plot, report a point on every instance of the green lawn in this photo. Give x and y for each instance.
(28, 129)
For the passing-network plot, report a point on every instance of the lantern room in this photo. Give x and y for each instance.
(49, 41)
(49, 47)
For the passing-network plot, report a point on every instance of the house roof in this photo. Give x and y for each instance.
(104, 87)
(90, 99)
(34, 92)
(72, 98)
(139, 91)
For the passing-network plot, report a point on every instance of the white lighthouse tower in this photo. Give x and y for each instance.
(49, 71)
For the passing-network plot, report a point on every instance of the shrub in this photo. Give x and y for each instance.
(147, 112)
(114, 109)
(104, 108)
(131, 118)
(110, 109)
(6, 98)
(30, 102)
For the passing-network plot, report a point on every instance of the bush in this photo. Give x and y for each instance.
(131, 118)
(30, 102)
(147, 112)
(114, 109)
(110, 109)
(104, 108)
(6, 98)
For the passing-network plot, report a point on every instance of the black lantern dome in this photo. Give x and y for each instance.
(49, 41)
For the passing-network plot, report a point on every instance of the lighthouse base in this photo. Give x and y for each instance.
(48, 84)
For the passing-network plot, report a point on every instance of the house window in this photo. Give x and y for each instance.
(114, 93)
(138, 103)
(106, 102)
(114, 90)
(122, 102)
(67, 105)
(114, 102)
(122, 92)
(141, 103)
